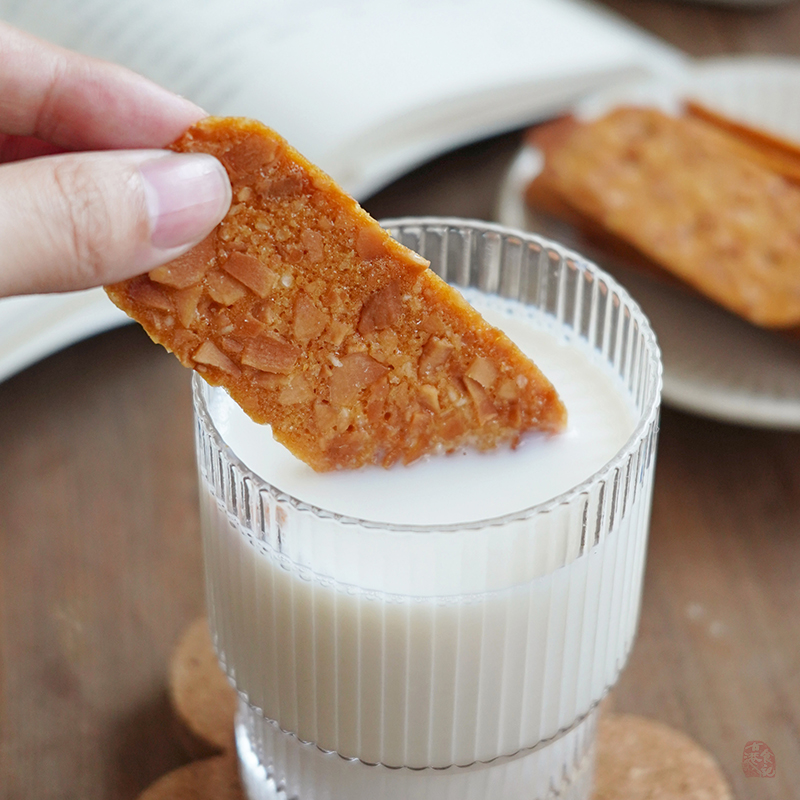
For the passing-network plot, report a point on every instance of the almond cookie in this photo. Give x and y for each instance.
(318, 323)
(773, 152)
(686, 195)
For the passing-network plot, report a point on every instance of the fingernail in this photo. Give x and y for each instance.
(187, 194)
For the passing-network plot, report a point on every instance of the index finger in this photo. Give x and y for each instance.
(82, 103)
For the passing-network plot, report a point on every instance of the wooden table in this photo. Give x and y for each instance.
(100, 564)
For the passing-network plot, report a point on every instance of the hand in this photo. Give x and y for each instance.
(111, 210)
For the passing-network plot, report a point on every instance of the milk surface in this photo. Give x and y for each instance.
(431, 649)
(466, 486)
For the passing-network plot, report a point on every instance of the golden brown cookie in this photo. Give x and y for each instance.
(641, 759)
(214, 779)
(202, 698)
(317, 322)
(778, 154)
(685, 194)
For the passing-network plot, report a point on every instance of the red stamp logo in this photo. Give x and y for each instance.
(758, 760)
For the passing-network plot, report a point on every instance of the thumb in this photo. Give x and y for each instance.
(85, 219)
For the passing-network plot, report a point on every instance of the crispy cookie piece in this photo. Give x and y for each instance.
(317, 322)
(773, 152)
(686, 195)
(548, 208)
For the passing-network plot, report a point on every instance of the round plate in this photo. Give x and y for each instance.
(715, 364)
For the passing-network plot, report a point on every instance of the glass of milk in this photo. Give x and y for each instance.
(442, 631)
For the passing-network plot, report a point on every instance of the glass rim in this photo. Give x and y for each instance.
(647, 418)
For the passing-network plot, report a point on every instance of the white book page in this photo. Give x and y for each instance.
(366, 89)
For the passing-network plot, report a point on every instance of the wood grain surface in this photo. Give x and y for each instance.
(100, 562)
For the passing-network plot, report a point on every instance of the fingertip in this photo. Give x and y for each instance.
(103, 217)
(187, 195)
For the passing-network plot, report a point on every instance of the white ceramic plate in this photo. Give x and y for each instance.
(714, 363)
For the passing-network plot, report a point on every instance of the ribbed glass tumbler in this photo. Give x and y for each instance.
(376, 661)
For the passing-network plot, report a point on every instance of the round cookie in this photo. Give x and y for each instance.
(214, 779)
(203, 700)
(641, 759)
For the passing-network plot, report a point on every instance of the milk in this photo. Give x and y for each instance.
(423, 636)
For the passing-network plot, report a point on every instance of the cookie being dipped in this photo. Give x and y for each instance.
(318, 323)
